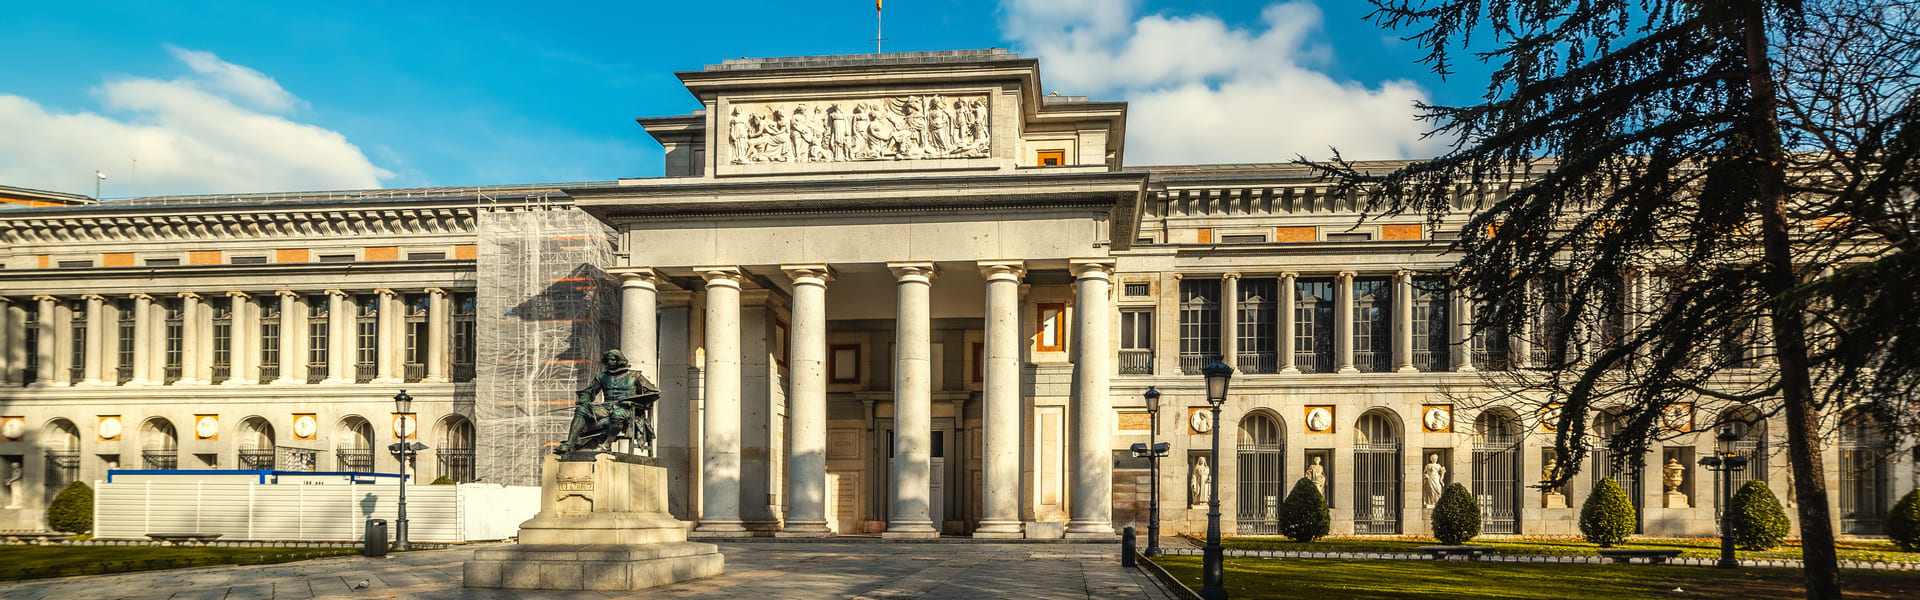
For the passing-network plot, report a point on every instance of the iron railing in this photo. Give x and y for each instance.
(316, 372)
(416, 372)
(161, 459)
(269, 373)
(257, 459)
(457, 464)
(1256, 362)
(359, 461)
(364, 372)
(1136, 362)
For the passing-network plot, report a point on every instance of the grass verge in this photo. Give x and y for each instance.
(36, 562)
(1693, 548)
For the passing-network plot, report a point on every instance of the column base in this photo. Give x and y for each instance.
(335, 381)
(1464, 369)
(1083, 530)
(283, 381)
(386, 380)
(1000, 530)
(59, 384)
(1290, 370)
(1346, 370)
(805, 529)
(910, 530)
(724, 529)
(1407, 369)
(433, 379)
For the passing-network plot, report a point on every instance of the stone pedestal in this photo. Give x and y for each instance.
(1678, 500)
(603, 525)
(1553, 500)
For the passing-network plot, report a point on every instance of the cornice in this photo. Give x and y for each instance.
(266, 222)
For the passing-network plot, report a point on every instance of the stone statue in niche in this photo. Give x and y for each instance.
(1317, 474)
(626, 411)
(1202, 479)
(887, 128)
(1551, 497)
(16, 489)
(1436, 480)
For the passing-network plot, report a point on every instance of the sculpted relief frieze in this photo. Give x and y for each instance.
(887, 128)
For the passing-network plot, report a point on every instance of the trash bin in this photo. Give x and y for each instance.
(376, 537)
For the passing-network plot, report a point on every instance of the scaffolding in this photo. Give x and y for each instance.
(546, 309)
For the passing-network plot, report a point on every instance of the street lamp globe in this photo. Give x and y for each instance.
(402, 403)
(1153, 400)
(1218, 376)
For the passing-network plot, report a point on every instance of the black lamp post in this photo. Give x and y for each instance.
(1726, 462)
(1152, 451)
(1218, 376)
(403, 406)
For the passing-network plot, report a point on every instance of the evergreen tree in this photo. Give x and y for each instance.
(1607, 517)
(72, 509)
(1456, 517)
(1303, 515)
(1903, 522)
(1758, 521)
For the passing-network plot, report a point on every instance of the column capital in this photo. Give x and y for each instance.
(1230, 275)
(819, 274)
(337, 293)
(140, 296)
(385, 292)
(1289, 275)
(1095, 268)
(904, 271)
(435, 290)
(723, 276)
(192, 296)
(45, 298)
(1345, 275)
(287, 294)
(238, 294)
(1403, 273)
(637, 276)
(1012, 270)
(92, 297)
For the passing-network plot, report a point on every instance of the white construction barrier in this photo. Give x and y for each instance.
(241, 510)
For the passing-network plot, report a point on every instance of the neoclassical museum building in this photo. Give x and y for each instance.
(907, 294)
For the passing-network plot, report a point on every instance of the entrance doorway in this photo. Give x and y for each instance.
(936, 476)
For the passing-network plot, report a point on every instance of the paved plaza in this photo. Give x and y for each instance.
(868, 570)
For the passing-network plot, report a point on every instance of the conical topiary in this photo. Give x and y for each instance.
(1758, 521)
(72, 509)
(1303, 515)
(1607, 517)
(1456, 517)
(1903, 522)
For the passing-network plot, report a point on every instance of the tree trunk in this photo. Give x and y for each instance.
(1821, 568)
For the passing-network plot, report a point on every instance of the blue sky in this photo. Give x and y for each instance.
(217, 97)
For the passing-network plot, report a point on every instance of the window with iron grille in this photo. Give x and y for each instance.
(1864, 489)
(77, 363)
(222, 342)
(356, 450)
(456, 451)
(63, 457)
(31, 341)
(1199, 323)
(176, 344)
(1376, 475)
(160, 445)
(317, 339)
(1373, 324)
(1136, 342)
(464, 307)
(415, 364)
(1313, 326)
(1432, 320)
(1255, 326)
(366, 338)
(1547, 348)
(1613, 316)
(269, 340)
(1628, 473)
(1496, 471)
(1137, 288)
(123, 340)
(1262, 474)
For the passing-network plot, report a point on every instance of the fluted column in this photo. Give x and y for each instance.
(807, 404)
(46, 346)
(242, 341)
(340, 342)
(720, 446)
(1403, 322)
(293, 338)
(912, 479)
(439, 332)
(1343, 322)
(1230, 319)
(190, 358)
(1286, 309)
(1000, 476)
(1091, 500)
(96, 339)
(386, 367)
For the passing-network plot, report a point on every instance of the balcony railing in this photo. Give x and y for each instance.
(360, 461)
(161, 459)
(1256, 362)
(172, 373)
(316, 372)
(462, 372)
(222, 373)
(1192, 363)
(269, 373)
(364, 372)
(256, 459)
(1136, 362)
(416, 372)
(77, 373)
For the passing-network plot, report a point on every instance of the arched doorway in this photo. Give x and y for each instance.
(455, 447)
(1864, 486)
(62, 440)
(353, 447)
(256, 444)
(1376, 474)
(1496, 470)
(159, 444)
(1628, 474)
(1262, 473)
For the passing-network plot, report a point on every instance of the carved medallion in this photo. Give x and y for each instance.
(884, 128)
(1437, 418)
(305, 426)
(1201, 420)
(403, 426)
(11, 428)
(206, 427)
(1320, 419)
(109, 428)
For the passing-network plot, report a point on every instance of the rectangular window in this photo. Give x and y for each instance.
(1051, 158)
(77, 367)
(269, 339)
(247, 260)
(1051, 336)
(1136, 342)
(75, 264)
(1373, 324)
(416, 327)
(124, 341)
(780, 345)
(163, 262)
(1349, 237)
(1252, 238)
(426, 256)
(31, 341)
(222, 342)
(1137, 289)
(465, 304)
(317, 338)
(1313, 325)
(843, 363)
(1489, 344)
(1199, 323)
(334, 258)
(1256, 326)
(1432, 320)
(979, 362)
(1547, 342)
(366, 338)
(176, 343)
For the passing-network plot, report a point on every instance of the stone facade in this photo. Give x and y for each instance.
(946, 336)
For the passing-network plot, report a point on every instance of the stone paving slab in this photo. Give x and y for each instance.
(825, 569)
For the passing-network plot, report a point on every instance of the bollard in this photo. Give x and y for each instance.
(1126, 547)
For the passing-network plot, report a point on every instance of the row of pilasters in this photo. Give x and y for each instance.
(720, 493)
(100, 360)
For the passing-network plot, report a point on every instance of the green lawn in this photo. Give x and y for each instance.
(1253, 578)
(34, 562)
(1702, 548)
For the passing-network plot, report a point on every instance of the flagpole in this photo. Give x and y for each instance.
(877, 28)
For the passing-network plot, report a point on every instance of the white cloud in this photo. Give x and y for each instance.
(221, 130)
(1200, 90)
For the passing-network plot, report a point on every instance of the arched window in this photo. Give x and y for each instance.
(1262, 474)
(1608, 425)
(62, 441)
(1376, 474)
(456, 449)
(1863, 475)
(159, 444)
(256, 444)
(353, 448)
(1496, 470)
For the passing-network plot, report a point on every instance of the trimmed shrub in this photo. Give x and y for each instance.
(1303, 515)
(1903, 522)
(1607, 517)
(1456, 517)
(72, 509)
(442, 480)
(1758, 521)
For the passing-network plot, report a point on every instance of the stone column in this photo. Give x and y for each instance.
(1520, 343)
(1343, 322)
(47, 346)
(439, 334)
(242, 341)
(7, 336)
(1091, 494)
(1230, 319)
(293, 338)
(640, 320)
(96, 339)
(912, 403)
(142, 340)
(1460, 315)
(720, 447)
(190, 355)
(1286, 308)
(807, 404)
(340, 341)
(386, 367)
(1403, 322)
(1000, 473)
(157, 343)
